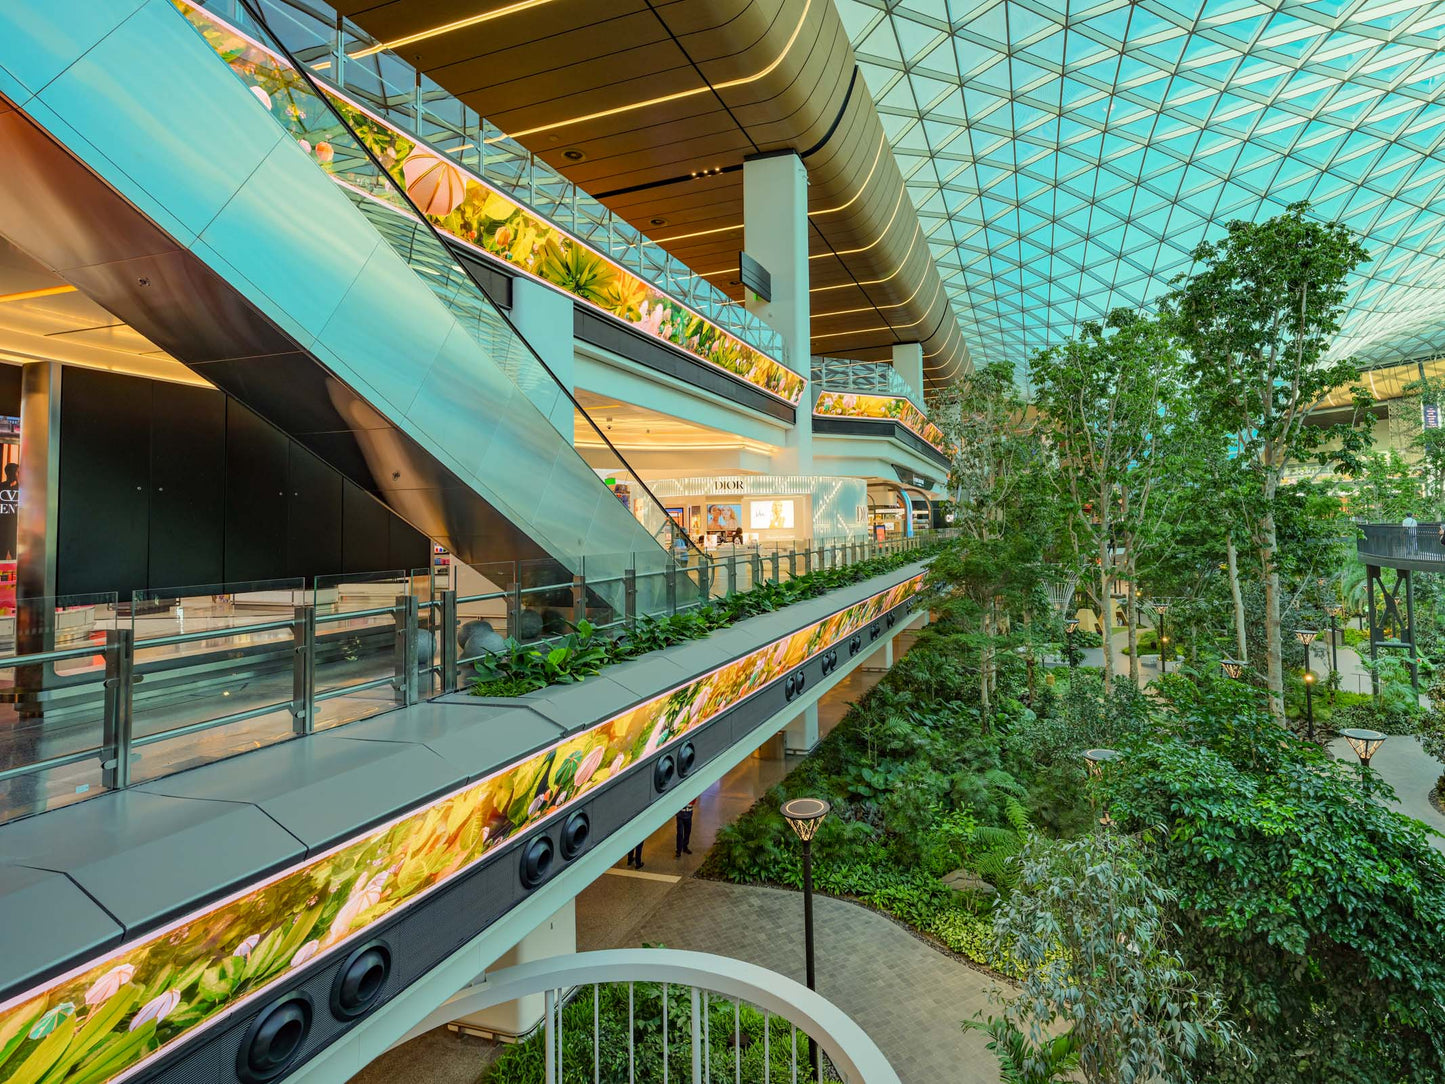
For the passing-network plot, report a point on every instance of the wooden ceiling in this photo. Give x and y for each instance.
(664, 99)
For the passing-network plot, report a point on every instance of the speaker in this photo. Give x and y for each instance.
(802, 680)
(790, 687)
(686, 757)
(664, 772)
(274, 1039)
(537, 856)
(575, 831)
(360, 980)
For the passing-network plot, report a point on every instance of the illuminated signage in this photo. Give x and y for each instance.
(103, 1019)
(477, 214)
(840, 404)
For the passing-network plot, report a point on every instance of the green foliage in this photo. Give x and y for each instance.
(521, 668)
(1091, 931)
(1023, 1061)
(1317, 910)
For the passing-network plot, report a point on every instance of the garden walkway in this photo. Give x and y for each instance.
(1410, 771)
(908, 996)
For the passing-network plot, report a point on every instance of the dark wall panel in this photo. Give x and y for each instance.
(256, 461)
(103, 511)
(188, 479)
(366, 539)
(408, 548)
(313, 517)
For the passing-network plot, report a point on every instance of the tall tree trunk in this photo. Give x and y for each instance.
(1131, 622)
(1106, 612)
(1241, 645)
(1273, 642)
(985, 663)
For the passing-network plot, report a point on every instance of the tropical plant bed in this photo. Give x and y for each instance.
(517, 668)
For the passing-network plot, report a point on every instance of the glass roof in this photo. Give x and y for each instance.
(1065, 158)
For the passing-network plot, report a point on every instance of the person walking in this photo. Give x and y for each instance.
(634, 856)
(684, 828)
(1411, 525)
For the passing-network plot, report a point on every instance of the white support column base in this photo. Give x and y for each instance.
(801, 734)
(882, 659)
(556, 936)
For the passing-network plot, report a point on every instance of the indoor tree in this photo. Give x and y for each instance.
(1258, 317)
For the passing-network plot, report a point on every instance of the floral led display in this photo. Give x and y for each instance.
(112, 1014)
(463, 205)
(847, 404)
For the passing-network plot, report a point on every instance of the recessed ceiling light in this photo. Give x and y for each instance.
(657, 222)
(573, 155)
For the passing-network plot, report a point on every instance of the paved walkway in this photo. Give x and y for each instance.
(1410, 771)
(909, 997)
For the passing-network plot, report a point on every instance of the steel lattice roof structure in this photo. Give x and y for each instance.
(1066, 157)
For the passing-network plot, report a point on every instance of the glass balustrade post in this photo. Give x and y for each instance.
(405, 681)
(579, 599)
(757, 563)
(629, 596)
(672, 588)
(514, 619)
(448, 631)
(732, 574)
(303, 670)
(119, 703)
(704, 580)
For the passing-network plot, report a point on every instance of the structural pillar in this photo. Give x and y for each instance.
(555, 936)
(802, 733)
(882, 659)
(543, 316)
(775, 233)
(908, 363)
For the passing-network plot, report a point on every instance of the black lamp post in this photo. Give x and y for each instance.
(1071, 626)
(1160, 606)
(1365, 743)
(1310, 703)
(1336, 612)
(1096, 759)
(804, 816)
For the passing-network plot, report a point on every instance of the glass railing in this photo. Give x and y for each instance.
(494, 195)
(878, 377)
(871, 389)
(124, 694)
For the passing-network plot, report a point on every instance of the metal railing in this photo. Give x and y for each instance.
(434, 640)
(872, 377)
(1388, 542)
(720, 994)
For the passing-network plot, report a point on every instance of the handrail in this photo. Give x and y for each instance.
(414, 671)
(851, 1051)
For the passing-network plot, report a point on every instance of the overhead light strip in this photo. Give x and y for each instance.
(665, 98)
(48, 291)
(447, 28)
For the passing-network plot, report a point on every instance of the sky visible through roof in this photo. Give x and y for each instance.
(1066, 158)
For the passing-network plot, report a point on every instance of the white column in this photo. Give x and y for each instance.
(908, 363)
(543, 316)
(556, 936)
(881, 659)
(802, 733)
(775, 233)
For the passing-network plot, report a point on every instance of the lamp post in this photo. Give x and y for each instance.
(1365, 743)
(1160, 606)
(804, 816)
(1023, 652)
(1071, 626)
(1096, 759)
(1336, 612)
(1310, 703)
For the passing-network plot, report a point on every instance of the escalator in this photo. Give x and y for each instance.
(179, 169)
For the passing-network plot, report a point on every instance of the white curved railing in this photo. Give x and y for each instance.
(851, 1054)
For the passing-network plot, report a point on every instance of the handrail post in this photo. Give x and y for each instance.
(514, 620)
(303, 671)
(792, 561)
(792, 554)
(406, 683)
(808, 558)
(732, 573)
(119, 708)
(629, 595)
(704, 580)
(672, 587)
(448, 631)
(579, 598)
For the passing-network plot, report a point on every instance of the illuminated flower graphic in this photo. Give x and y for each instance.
(262, 97)
(325, 152)
(305, 145)
(434, 185)
(51, 1020)
(364, 897)
(295, 112)
(305, 952)
(537, 804)
(617, 764)
(387, 158)
(157, 1009)
(105, 987)
(244, 948)
(590, 763)
(504, 237)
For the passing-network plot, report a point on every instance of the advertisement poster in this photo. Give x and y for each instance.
(770, 515)
(724, 517)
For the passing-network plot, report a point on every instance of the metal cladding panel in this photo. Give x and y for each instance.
(47, 923)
